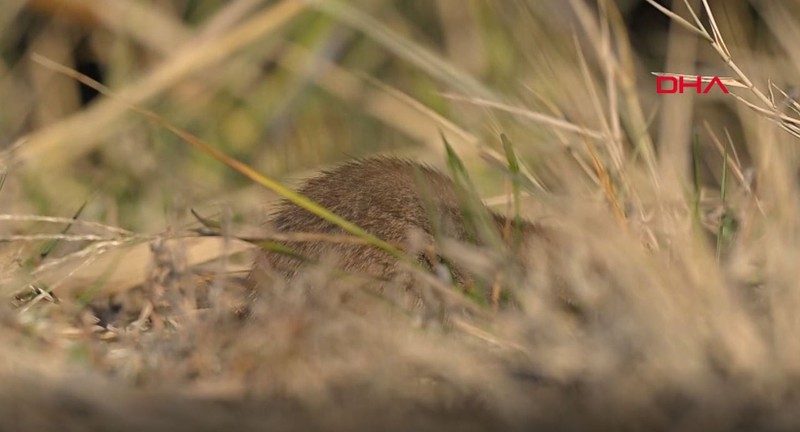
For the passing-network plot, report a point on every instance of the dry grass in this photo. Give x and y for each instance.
(677, 217)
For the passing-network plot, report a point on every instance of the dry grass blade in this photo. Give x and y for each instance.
(789, 101)
(466, 143)
(608, 186)
(614, 146)
(65, 221)
(787, 123)
(685, 24)
(530, 115)
(717, 35)
(59, 237)
(609, 64)
(286, 236)
(119, 266)
(694, 16)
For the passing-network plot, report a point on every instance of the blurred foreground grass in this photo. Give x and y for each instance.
(690, 326)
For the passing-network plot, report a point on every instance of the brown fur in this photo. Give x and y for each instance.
(388, 197)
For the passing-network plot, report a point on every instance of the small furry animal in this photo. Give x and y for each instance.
(388, 197)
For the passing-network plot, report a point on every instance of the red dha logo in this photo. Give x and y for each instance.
(679, 84)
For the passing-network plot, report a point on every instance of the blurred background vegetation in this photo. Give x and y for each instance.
(316, 85)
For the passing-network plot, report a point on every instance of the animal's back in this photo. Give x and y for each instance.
(387, 197)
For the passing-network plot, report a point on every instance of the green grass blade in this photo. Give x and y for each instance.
(513, 166)
(726, 218)
(477, 219)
